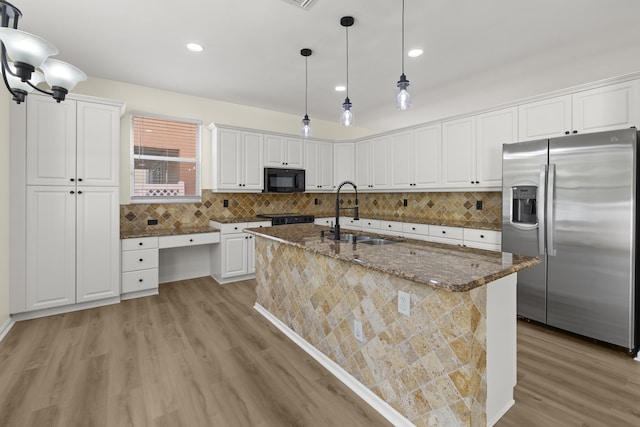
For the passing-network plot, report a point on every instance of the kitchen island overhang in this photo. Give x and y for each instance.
(452, 361)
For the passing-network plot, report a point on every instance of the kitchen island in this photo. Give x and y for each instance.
(450, 362)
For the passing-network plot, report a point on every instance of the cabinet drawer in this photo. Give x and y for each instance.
(325, 221)
(235, 227)
(370, 223)
(411, 228)
(139, 243)
(258, 224)
(188, 240)
(445, 232)
(484, 236)
(140, 280)
(139, 260)
(391, 227)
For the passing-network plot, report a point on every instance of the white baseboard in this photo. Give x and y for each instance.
(500, 413)
(139, 294)
(382, 407)
(222, 281)
(6, 327)
(637, 359)
(64, 309)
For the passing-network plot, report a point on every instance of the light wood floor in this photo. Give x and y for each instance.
(199, 355)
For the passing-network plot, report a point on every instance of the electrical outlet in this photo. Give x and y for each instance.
(404, 303)
(315, 201)
(152, 222)
(405, 202)
(225, 203)
(357, 330)
(479, 205)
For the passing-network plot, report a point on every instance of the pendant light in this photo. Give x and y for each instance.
(306, 126)
(24, 59)
(403, 97)
(346, 118)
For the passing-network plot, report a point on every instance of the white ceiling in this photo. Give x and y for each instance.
(252, 48)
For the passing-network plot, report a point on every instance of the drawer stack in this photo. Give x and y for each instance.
(139, 265)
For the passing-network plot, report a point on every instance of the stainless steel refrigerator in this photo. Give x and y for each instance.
(571, 201)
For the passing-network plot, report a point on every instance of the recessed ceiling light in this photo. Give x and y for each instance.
(195, 47)
(341, 88)
(413, 53)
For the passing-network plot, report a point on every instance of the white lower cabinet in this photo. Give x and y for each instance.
(139, 265)
(443, 234)
(234, 258)
(72, 253)
(482, 239)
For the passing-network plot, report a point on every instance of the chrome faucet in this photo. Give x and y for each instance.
(336, 229)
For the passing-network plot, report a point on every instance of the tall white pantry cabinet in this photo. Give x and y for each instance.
(65, 219)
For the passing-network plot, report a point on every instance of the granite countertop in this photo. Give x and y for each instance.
(153, 232)
(238, 219)
(447, 267)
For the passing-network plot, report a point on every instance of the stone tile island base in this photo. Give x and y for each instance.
(446, 364)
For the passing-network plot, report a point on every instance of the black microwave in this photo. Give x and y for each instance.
(278, 180)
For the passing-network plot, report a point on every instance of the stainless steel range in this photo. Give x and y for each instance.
(288, 218)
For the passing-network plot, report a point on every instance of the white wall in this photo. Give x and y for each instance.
(140, 98)
(4, 206)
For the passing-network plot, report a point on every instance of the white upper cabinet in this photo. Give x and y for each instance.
(98, 144)
(459, 153)
(71, 142)
(343, 163)
(545, 119)
(416, 158)
(493, 130)
(318, 165)
(609, 107)
(237, 160)
(283, 152)
(606, 108)
(372, 163)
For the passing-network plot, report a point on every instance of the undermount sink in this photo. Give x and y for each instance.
(355, 238)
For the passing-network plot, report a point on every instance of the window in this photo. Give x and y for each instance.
(165, 159)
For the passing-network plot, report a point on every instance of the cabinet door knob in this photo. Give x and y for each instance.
(413, 228)
(575, 131)
(191, 240)
(140, 280)
(444, 232)
(140, 243)
(72, 180)
(141, 260)
(79, 192)
(482, 236)
(389, 226)
(79, 179)
(567, 133)
(72, 192)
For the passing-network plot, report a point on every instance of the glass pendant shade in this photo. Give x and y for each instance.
(346, 118)
(403, 97)
(25, 48)
(62, 77)
(305, 131)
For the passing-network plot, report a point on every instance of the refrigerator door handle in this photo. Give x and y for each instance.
(551, 185)
(541, 199)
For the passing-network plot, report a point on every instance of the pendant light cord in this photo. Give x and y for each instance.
(402, 37)
(347, 32)
(306, 84)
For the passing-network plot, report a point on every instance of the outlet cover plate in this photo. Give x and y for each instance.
(404, 303)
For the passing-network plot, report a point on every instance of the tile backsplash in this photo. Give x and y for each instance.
(436, 205)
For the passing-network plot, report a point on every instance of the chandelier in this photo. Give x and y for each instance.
(25, 61)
